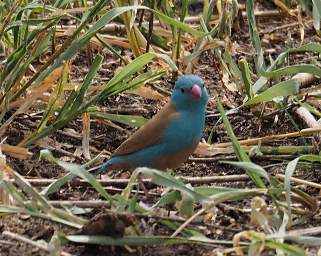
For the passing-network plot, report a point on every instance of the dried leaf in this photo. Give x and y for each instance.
(4, 196)
(205, 149)
(284, 8)
(86, 134)
(60, 12)
(32, 69)
(148, 93)
(38, 92)
(260, 215)
(231, 86)
(78, 152)
(15, 151)
(219, 9)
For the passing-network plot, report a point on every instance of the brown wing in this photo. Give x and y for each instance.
(150, 133)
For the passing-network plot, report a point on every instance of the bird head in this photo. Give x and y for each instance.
(189, 91)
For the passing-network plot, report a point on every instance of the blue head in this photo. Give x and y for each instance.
(189, 92)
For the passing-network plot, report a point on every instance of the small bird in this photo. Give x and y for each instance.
(171, 136)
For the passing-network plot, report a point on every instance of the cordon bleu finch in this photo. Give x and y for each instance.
(171, 136)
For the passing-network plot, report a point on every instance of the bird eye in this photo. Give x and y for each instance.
(182, 90)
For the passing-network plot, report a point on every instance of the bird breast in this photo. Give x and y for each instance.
(184, 132)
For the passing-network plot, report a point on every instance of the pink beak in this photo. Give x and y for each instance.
(196, 91)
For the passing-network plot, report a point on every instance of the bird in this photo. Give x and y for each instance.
(171, 136)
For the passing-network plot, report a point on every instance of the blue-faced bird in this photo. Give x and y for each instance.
(171, 136)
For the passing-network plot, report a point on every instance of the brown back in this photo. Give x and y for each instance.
(149, 134)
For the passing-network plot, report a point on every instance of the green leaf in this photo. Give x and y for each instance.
(7, 210)
(134, 121)
(84, 88)
(254, 35)
(286, 248)
(56, 185)
(105, 19)
(186, 206)
(250, 167)
(168, 199)
(237, 195)
(290, 168)
(294, 69)
(316, 15)
(310, 108)
(246, 77)
(178, 24)
(240, 153)
(212, 190)
(130, 69)
(17, 195)
(310, 47)
(142, 240)
(285, 88)
(164, 179)
(168, 60)
(77, 170)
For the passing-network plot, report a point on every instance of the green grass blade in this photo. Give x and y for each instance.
(134, 121)
(240, 153)
(290, 169)
(55, 96)
(250, 167)
(246, 77)
(310, 47)
(286, 88)
(136, 65)
(168, 199)
(8, 210)
(212, 190)
(89, 77)
(142, 240)
(254, 35)
(78, 170)
(55, 186)
(294, 69)
(16, 195)
(164, 179)
(237, 195)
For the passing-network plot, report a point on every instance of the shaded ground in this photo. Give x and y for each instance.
(230, 218)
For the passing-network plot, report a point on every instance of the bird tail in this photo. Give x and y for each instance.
(102, 168)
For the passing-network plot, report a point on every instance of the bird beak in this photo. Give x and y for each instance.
(196, 91)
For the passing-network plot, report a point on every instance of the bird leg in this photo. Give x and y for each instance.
(141, 184)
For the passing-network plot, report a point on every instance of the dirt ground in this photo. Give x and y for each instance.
(231, 218)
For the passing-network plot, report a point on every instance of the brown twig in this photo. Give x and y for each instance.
(300, 181)
(150, 31)
(305, 231)
(187, 222)
(115, 182)
(302, 133)
(285, 26)
(7, 243)
(264, 13)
